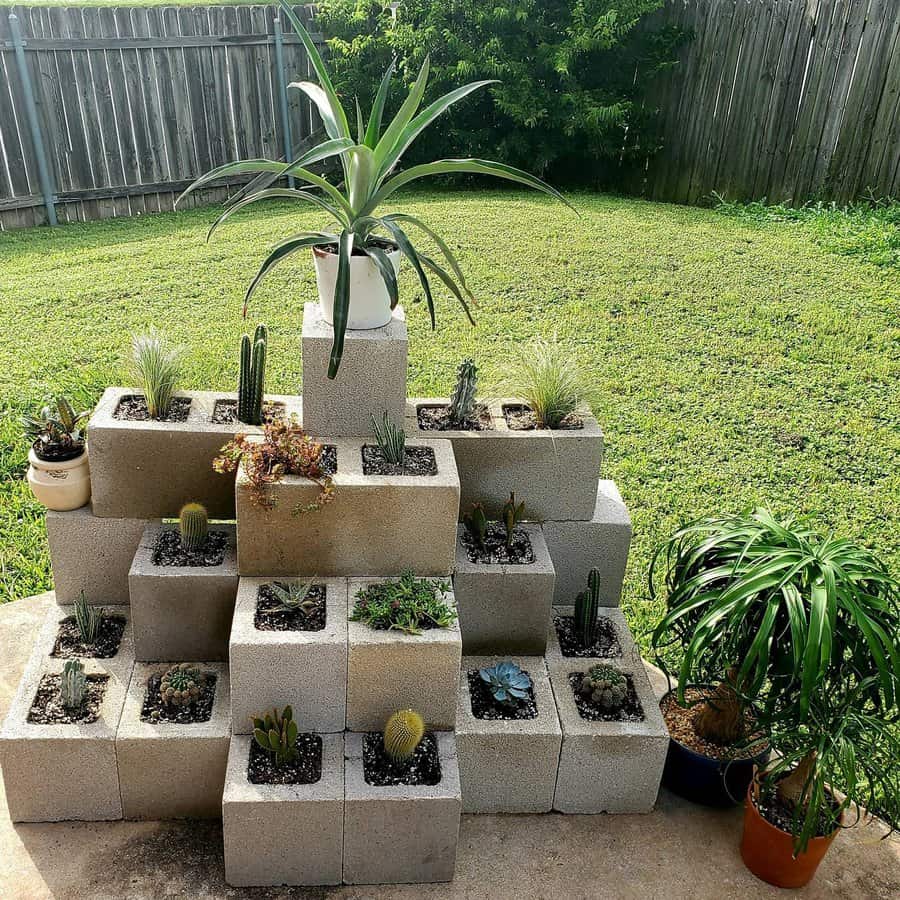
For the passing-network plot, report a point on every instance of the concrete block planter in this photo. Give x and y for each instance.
(284, 834)
(622, 649)
(182, 612)
(92, 554)
(169, 770)
(554, 472)
(376, 525)
(148, 469)
(603, 541)
(403, 834)
(391, 670)
(612, 767)
(508, 765)
(504, 608)
(307, 669)
(371, 380)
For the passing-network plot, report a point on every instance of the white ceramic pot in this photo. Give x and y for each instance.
(60, 485)
(370, 303)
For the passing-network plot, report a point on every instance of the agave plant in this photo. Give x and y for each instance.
(369, 167)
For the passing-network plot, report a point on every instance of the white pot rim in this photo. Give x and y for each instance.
(56, 465)
(325, 254)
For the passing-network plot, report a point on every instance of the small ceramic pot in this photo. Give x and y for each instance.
(60, 485)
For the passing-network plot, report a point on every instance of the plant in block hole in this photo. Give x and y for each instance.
(406, 603)
(605, 686)
(277, 734)
(462, 400)
(88, 619)
(193, 526)
(391, 440)
(368, 156)
(157, 368)
(507, 682)
(181, 685)
(587, 605)
(546, 377)
(56, 432)
(402, 735)
(512, 514)
(252, 377)
(476, 523)
(72, 684)
(294, 597)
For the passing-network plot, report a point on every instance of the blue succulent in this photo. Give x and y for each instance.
(507, 682)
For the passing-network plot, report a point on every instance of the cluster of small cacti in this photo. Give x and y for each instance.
(252, 377)
(193, 525)
(88, 619)
(391, 439)
(72, 684)
(462, 400)
(507, 682)
(294, 597)
(512, 514)
(277, 734)
(605, 686)
(476, 523)
(402, 734)
(181, 685)
(587, 603)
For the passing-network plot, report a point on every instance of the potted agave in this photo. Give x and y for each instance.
(357, 262)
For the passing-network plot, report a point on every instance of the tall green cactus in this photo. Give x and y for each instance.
(587, 604)
(251, 381)
(462, 400)
(193, 525)
(72, 684)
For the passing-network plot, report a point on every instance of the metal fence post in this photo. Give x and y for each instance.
(282, 94)
(34, 125)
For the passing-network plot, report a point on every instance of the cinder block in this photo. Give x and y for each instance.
(628, 654)
(91, 554)
(504, 608)
(182, 612)
(284, 834)
(577, 547)
(169, 770)
(554, 472)
(612, 767)
(508, 765)
(391, 670)
(403, 834)
(376, 524)
(148, 470)
(371, 379)
(306, 669)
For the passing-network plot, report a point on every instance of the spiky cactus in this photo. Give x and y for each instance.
(587, 604)
(252, 377)
(605, 686)
(88, 619)
(462, 400)
(512, 515)
(193, 525)
(181, 685)
(277, 734)
(476, 522)
(402, 734)
(72, 684)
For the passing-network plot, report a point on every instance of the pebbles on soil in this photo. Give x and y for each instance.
(424, 768)
(484, 706)
(306, 768)
(416, 461)
(70, 645)
(47, 708)
(437, 418)
(269, 618)
(133, 408)
(168, 550)
(494, 550)
(155, 711)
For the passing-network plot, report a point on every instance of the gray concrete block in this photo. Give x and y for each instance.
(148, 470)
(168, 770)
(554, 472)
(371, 379)
(604, 541)
(306, 669)
(91, 554)
(504, 608)
(391, 670)
(612, 767)
(376, 524)
(628, 654)
(284, 834)
(403, 834)
(182, 612)
(508, 765)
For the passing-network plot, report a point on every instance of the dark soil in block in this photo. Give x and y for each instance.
(605, 646)
(225, 412)
(269, 618)
(47, 708)
(484, 706)
(169, 552)
(631, 711)
(305, 769)
(416, 461)
(328, 461)
(155, 711)
(133, 408)
(494, 550)
(70, 645)
(424, 768)
(521, 418)
(56, 452)
(437, 418)
(780, 813)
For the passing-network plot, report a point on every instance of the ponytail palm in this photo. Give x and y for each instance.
(368, 162)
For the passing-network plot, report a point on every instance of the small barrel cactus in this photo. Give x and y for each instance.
(587, 604)
(462, 400)
(72, 684)
(181, 685)
(193, 525)
(605, 686)
(402, 734)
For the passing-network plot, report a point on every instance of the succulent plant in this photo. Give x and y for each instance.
(88, 619)
(72, 684)
(251, 381)
(293, 596)
(391, 439)
(193, 526)
(605, 686)
(181, 685)
(277, 734)
(462, 400)
(476, 522)
(507, 682)
(402, 734)
(56, 433)
(587, 604)
(512, 515)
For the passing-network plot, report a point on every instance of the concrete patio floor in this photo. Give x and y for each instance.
(678, 851)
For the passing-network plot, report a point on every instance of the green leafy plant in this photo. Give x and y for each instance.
(72, 684)
(193, 526)
(181, 685)
(605, 686)
(462, 400)
(368, 161)
(406, 604)
(277, 734)
(587, 605)
(88, 619)
(56, 434)
(546, 377)
(157, 368)
(391, 439)
(402, 735)
(294, 596)
(511, 515)
(252, 376)
(507, 682)
(476, 523)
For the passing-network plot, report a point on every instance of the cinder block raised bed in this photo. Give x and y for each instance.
(376, 524)
(403, 834)
(554, 472)
(508, 765)
(182, 612)
(307, 669)
(504, 608)
(149, 469)
(391, 670)
(284, 834)
(169, 770)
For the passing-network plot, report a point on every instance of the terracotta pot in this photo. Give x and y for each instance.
(60, 485)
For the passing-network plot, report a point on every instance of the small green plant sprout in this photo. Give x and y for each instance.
(476, 523)
(193, 525)
(462, 400)
(181, 685)
(605, 686)
(56, 433)
(548, 380)
(406, 604)
(587, 605)
(88, 619)
(157, 367)
(507, 682)
(294, 596)
(512, 515)
(252, 377)
(72, 684)
(277, 734)
(402, 734)
(391, 439)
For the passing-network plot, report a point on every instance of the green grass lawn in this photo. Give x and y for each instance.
(731, 359)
